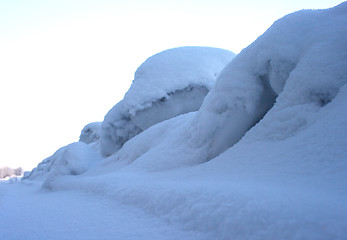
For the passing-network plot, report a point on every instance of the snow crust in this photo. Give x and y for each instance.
(168, 84)
(265, 155)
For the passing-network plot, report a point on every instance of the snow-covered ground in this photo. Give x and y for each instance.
(264, 157)
(30, 213)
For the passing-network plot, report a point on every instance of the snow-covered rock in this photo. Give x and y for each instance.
(166, 85)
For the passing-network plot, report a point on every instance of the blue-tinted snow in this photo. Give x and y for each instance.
(284, 178)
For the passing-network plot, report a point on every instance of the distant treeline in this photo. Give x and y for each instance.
(8, 172)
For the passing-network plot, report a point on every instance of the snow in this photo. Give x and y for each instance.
(264, 157)
(90, 133)
(301, 58)
(72, 215)
(172, 70)
(72, 159)
(168, 84)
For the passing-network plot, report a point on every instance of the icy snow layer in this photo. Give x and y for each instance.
(166, 85)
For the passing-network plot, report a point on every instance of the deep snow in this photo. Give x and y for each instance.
(31, 214)
(168, 84)
(263, 158)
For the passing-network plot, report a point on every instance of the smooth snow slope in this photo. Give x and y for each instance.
(27, 213)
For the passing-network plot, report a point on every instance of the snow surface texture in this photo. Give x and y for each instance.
(31, 215)
(72, 159)
(166, 85)
(301, 58)
(283, 101)
(90, 133)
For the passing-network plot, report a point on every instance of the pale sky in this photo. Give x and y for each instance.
(65, 63)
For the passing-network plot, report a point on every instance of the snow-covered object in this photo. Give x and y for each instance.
(166, 85)
(290, 74)
(72, 159)
(301, 59)
(162, 147)
(90, 133)
(172, 70)
(285, 179)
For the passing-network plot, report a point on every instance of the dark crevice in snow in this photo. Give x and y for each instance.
(267, 87)
(239, 121)
(174, 104)
(127, 126)
(323, 97)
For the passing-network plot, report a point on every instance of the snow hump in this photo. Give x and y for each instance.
(168, 84)
(90, 133)
(264, 157)
(172, 70)
(301, 59)
(72, 159)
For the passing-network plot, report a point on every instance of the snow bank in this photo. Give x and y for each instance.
(286, 178)
(290, 73)
(166, 85)
(301, 59)
(273, 127)
(172, 70)
(72, 159)
(162, 147)
(90, 133)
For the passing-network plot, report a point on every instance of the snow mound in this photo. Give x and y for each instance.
(290, 74)
(283, 102)
(295, 69)
(172, 70)
(166, 85)
(159, 148)
(90, 133)
(72, 159)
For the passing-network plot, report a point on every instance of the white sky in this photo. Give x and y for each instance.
(65, 63)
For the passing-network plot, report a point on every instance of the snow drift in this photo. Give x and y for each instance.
(301, 59)
(265, 155)
(290, 74)
(166, 85)
(72, 159)
(90, 133)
